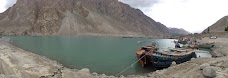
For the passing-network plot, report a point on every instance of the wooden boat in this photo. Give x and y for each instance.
(180, 49)
(127, 37)
(206, 45)
(144, 56)
(149, 55)
(169, 57)
(182, 42)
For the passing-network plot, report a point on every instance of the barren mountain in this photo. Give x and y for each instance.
(178, 32)
(219, 26)
(78, 17)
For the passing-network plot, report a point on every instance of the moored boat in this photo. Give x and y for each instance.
(206, 45)
(165, 59)
(149, 55)
(182, 42)
(130, 36)
(144, 55)
(180, 49)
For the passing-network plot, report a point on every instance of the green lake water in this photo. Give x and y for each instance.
(108, 55)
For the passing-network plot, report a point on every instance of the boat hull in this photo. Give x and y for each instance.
(144, 59)
(183, 42)
(185, 58)
(209, 46)
(163, 61)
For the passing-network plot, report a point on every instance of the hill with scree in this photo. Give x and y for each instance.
(78, 17)
(218, 27)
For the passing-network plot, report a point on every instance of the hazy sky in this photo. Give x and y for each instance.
(4, 4)
(191, 15)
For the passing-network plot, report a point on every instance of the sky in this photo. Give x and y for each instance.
(191, 15)
(5, 4)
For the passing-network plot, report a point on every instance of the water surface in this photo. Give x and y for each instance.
(108, 55)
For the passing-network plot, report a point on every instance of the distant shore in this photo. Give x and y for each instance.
(15, 62)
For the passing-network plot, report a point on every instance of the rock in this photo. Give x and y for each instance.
(112, 76)
(94, 74)
(121, 76)
(202, 66)
(84, 71)
(103, 75)
(2, 76)
(193, 58)
(173, 63)
(209, 72)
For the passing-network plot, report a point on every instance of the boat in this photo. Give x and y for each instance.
(143, 54)
(182, 42)
(149, 55)
(127, 37)
(190, 46)
(165, 59)
(140, 37)
(206, 45)
(180, 49)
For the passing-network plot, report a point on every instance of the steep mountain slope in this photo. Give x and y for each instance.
(77, 17)
(219, 26)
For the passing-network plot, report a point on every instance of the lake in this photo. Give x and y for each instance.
(108, 55)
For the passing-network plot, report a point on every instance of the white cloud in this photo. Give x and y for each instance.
(140, 4)
(10, 3)
(191, 15)
(5, 4)
(2, 5)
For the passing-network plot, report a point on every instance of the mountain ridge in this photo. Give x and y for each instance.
(78, 17)
(218, 26)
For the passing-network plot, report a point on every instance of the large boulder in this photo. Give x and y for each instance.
(209, 72)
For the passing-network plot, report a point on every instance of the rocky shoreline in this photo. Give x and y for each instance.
(18, 63)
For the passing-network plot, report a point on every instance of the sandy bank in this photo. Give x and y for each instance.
(18, 63)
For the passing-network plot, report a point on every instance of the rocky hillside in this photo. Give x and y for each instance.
(178, 32)
(219, 26)
(173, 31)
(78, 17)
